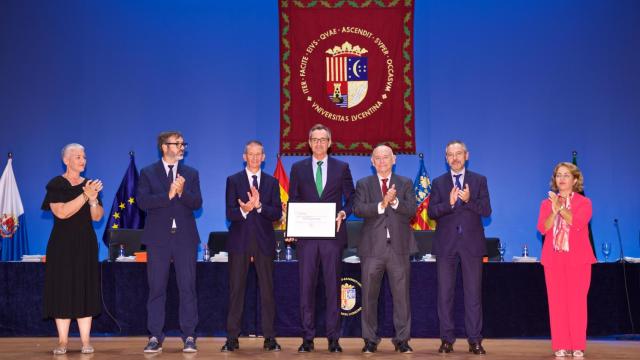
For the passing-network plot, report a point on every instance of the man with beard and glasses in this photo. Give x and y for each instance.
(170, 192)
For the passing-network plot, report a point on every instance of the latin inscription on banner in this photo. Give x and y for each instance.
(347, 65)
(346, 71)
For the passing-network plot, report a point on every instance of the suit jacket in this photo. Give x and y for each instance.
(580, 251)
(258, 226)
(153, 197)
(374, 229)
(338, 189)
(465, 218)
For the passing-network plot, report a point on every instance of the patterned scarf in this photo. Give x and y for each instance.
(561, 228)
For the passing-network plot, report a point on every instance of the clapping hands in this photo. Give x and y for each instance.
(462, 194)
(390, 197)
(177, 186)
(92, 188)
(252, 203)
(556, 202)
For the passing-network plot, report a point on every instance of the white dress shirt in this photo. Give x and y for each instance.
(175, 173)
(250, 177)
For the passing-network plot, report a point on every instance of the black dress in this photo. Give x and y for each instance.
(72, 282)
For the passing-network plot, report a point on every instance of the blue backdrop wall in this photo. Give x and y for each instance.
(522, 82)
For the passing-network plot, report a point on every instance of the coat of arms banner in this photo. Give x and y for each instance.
(347, 65)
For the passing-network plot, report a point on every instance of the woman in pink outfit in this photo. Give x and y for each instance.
(567, 257)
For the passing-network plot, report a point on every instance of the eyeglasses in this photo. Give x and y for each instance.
(178, 144)
(319, 140)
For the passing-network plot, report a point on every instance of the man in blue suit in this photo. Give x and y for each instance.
(170, 192)
(321, 178)
(253, 204)
(459, 200)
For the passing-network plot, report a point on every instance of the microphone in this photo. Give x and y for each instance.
(615, 223)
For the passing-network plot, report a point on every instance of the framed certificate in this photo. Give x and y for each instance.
(311, 220)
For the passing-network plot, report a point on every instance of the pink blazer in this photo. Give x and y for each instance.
(580, 251)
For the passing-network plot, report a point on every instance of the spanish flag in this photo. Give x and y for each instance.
(282, 178)
(422, 187)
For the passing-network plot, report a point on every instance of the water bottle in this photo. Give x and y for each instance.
(525, 251)
(206, 256)
(121, 251)
(288, 253)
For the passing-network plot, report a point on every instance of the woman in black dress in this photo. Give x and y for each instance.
(72, 284)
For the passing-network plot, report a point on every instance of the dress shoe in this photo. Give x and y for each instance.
(190, 345)
(403, 347)
(230, 345)
(577, 354)
(153, 346)
(446, 347)
(307, 346)
(270, 344)
(476, 348)
(334, 346)
(369, 347)
(87, 349)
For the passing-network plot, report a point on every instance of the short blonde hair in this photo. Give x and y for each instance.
(65, 150)
(575, 172)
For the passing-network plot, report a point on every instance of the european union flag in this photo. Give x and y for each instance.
(125, 213)
(357, 68)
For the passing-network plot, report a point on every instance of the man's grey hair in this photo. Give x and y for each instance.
(69, 147)
(381, 146)
(454, 142)
(320, 127)
(253, 142)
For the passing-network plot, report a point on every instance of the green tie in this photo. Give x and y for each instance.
(319, 179)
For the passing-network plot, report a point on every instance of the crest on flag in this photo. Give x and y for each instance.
(422, 188)
(8, 225)
(10, 202)
(347, 65)
(347, 75)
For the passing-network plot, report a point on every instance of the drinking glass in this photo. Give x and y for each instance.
(606, 250)
(502, 249)
(278, 249)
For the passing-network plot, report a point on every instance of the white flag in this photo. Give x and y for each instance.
(10, 202)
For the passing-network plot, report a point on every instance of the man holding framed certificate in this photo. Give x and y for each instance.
(320, 179)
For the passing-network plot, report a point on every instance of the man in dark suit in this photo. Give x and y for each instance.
(321, 178)
(253, 204)
(387, 203)
(170, 192)
(459, 200)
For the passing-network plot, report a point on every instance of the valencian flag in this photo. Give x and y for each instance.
(422, 187)
(125, 213)
(282, 178)
(13, 230)
(347, 65)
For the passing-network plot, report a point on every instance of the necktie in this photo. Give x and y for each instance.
(319, 178)
(459, 186)
(255, 181)
(384, 187)
(170, 174)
